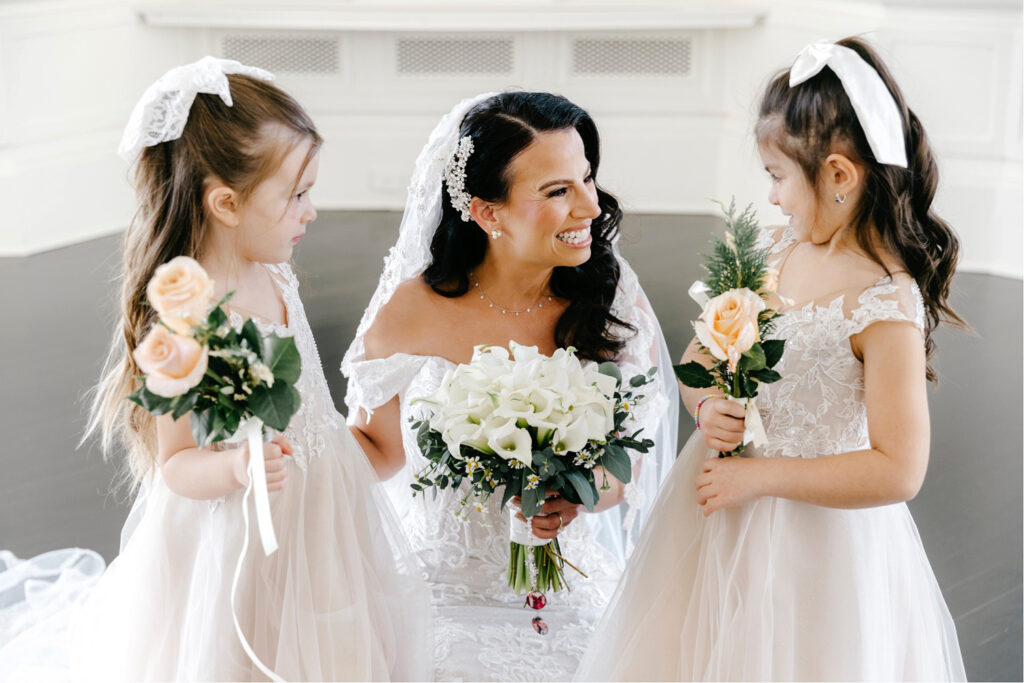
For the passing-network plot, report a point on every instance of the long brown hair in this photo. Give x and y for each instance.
(235, 145)
(809, 121)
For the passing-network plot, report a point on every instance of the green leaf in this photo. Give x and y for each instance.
(766, 376)
(749, 385)
(217, 316)
(611, 369)
(584, 488)
(533, 501)
(281, 356)
(275, 405)
(547, 464)
(252, 338)
(203, 428)
(185, 403)
(157, 405)
(617, 462)
(638, 381)
(693, 374)
(753, 359)
(507, 495)
(773, 349)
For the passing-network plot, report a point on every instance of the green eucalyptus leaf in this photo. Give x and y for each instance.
(583, 487)
(533, 501)
(611, 369)
(617, 462)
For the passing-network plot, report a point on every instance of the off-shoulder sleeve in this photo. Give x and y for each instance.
(372, 383)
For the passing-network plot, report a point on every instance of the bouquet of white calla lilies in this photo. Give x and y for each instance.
(529, 423)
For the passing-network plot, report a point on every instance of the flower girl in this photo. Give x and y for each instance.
(223, 165)
(799, 560)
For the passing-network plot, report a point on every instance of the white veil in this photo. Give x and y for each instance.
(658, 415)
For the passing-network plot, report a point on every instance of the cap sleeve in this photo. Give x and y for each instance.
(893, 298)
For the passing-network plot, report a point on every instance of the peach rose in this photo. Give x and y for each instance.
(181, 292)
(728, 325)
(173, 363)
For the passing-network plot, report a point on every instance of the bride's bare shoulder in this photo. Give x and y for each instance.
(400, 324)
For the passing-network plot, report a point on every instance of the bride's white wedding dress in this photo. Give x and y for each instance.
(778, 589)
(481, 629)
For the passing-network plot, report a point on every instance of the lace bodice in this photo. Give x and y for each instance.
(817, 408)
(316, 413)
(481, 631)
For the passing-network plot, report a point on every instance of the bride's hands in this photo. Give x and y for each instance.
(554, 515)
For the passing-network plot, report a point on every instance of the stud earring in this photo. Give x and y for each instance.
(495, 234)
(840, 200)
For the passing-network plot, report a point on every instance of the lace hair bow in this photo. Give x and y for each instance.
(161, 112)
(874, 105)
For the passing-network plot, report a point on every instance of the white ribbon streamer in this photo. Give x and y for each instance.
(251, 430)
(522, 532)
(874, 105)
(753, 427)
(234, 589)
(699, 292)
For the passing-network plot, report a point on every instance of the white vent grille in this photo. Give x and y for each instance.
(455, 56)
(632, 56)
(284, 55)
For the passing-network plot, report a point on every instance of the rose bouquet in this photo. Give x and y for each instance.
(529, 423)
(234, 384)
(736, 321)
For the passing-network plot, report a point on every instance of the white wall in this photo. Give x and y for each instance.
(674, 102)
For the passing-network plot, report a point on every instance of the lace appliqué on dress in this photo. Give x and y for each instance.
(817, 408)
(316, 412)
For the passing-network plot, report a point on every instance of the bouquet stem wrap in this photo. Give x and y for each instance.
(521, 532)
(753, 429)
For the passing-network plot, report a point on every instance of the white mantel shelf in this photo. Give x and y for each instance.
(497, 17)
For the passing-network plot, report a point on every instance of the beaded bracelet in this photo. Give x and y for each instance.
(696, 413)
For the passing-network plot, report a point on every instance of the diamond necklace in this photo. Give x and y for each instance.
(491, 303)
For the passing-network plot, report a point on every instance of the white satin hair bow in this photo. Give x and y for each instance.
(161, 112)
(874, 105)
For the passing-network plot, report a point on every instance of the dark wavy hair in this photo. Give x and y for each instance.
(502, 127)
(809, 121)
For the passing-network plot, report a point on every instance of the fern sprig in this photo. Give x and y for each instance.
(736, 261)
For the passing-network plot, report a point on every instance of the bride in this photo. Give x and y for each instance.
(506, 236)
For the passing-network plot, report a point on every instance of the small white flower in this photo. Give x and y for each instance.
(259, 372)
(532, 480)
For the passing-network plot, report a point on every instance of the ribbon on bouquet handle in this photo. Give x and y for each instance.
(753, 427)
(522, 532)
(251, 431)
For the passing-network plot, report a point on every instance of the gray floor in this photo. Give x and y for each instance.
(58, 309)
